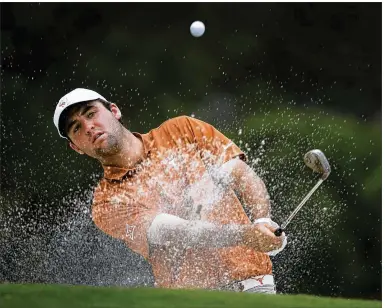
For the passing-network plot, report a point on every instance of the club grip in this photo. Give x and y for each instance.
(278, 232)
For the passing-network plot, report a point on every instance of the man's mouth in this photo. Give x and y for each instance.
(96, 136)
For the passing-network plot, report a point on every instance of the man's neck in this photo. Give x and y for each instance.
(130, 154)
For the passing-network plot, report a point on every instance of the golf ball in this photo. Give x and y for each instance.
(197, 28)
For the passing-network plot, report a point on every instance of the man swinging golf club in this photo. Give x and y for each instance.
(180, 195)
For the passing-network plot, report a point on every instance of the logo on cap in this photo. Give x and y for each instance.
(63, 102)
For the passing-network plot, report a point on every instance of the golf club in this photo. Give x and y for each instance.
(317, 161)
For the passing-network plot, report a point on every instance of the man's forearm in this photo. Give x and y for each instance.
(249, 187)
(170, 230)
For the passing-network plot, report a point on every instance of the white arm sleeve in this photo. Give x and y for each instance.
(170, 230)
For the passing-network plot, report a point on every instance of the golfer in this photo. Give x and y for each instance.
(181, 195)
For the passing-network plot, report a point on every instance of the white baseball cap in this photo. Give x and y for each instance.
(75, 96)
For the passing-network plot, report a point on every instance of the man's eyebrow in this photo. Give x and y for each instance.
(85, 109)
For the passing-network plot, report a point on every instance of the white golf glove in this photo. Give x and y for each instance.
(274, 225)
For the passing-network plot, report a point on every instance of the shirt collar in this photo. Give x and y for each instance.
(117, 173)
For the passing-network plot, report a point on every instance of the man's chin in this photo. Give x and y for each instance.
(101, 151)
(106, 147)
(106, 151)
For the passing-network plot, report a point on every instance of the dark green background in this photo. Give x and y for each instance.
(278, 78)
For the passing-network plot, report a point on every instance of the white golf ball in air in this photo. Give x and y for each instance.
(197, 28)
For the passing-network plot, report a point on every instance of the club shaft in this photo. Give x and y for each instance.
(284, 225)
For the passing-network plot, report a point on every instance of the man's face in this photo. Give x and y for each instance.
(94, 130)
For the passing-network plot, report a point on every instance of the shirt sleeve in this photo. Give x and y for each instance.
(214, 145)
(123, 219)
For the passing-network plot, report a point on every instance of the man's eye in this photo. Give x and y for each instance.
(91, 114)
(76, 128)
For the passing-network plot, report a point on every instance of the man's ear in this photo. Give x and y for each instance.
(115, 111)
(75, 148)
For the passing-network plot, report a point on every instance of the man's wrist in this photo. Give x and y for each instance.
(262, 220)
(250, 237)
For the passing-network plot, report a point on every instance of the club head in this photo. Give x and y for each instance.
(317, 161)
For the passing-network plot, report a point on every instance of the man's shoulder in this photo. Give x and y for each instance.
(179, 120)
(179, 123)
(176, 131)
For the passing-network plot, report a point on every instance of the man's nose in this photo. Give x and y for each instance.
(89, 127)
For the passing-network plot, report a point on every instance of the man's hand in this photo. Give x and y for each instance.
(261, 237)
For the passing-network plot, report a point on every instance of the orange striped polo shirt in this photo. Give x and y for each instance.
(177, 177)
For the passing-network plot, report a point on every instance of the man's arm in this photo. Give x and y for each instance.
(253, 194)
(223, 152)
(172, 231)
(140, 226)
(249, 187)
